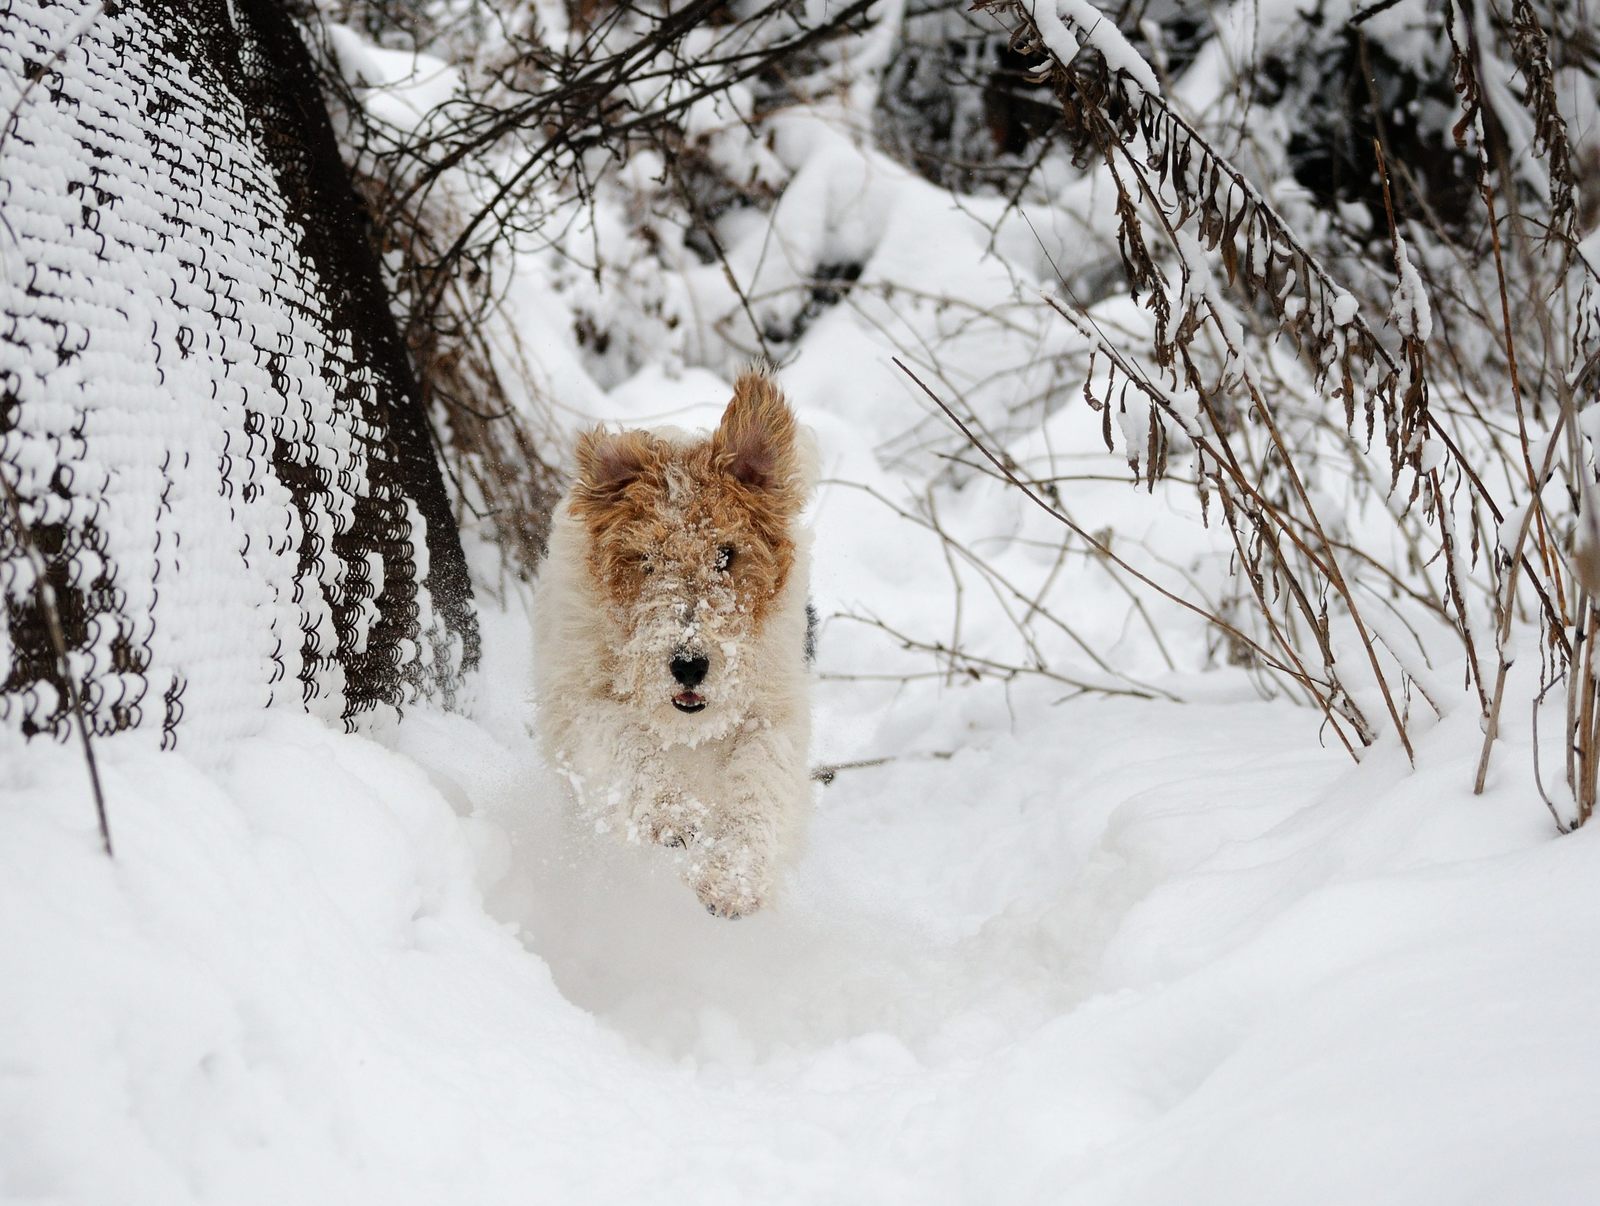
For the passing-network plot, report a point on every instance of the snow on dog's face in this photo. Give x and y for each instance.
(690, 545)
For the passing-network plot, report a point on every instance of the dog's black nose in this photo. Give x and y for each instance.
(689, 670)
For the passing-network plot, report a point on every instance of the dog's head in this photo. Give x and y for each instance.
(690, 544)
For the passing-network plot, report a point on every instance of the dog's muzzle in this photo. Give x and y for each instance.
(689, 669)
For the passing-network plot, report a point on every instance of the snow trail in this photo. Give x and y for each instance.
(1094, 956)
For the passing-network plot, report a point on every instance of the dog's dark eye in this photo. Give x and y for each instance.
(724, 558)
(646, 565)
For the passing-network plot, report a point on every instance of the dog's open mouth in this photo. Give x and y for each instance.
(688, 701)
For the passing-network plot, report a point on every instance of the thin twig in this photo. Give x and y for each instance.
(45, 599)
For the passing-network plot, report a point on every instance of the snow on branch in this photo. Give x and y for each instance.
(1162, 164)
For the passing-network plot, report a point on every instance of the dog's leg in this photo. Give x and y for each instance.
(733, 865)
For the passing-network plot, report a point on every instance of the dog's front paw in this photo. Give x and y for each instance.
(672, 822)
(731, 879)
(665, 831)
(731, 905)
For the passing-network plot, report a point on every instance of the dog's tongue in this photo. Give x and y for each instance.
(687, 699)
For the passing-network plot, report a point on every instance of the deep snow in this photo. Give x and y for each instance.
(1104, 951)
(1046, 948)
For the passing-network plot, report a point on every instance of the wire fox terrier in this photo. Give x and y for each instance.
(673, 638)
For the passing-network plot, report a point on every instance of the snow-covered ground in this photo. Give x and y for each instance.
(1043, 947)
(1099, 950)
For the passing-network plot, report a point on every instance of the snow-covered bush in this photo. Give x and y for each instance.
(1305, 261)
(1345, 614)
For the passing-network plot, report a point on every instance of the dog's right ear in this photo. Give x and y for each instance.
(608, 461)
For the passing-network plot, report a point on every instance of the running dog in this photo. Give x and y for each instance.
(673, 636)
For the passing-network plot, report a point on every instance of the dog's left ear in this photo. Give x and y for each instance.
(758, 442)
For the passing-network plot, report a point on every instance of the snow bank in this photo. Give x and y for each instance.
(1100, 952)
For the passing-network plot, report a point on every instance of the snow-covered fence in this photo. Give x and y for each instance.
(216, 474)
